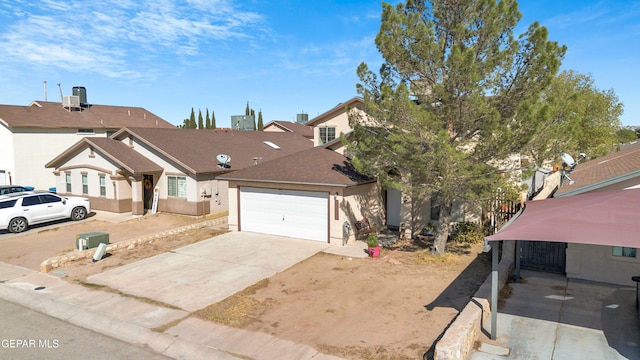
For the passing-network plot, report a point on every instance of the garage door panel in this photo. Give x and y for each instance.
(301, 214)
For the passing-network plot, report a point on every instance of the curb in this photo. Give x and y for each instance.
(62, 260)
(171, 346)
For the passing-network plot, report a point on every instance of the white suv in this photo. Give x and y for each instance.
(19, 210)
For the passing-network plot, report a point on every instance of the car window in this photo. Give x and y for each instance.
(30, 200)
(8, 204)
(48, 198)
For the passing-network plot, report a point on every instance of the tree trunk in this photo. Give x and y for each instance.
(442, 230)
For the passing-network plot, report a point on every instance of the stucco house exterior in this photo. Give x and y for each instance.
(31, 135)
(619, 170)
(315, 194)
(125, 172)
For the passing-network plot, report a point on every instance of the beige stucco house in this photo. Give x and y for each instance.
(174, 168)
(31, 135)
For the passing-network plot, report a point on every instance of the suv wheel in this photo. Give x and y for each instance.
(18, 225)
(78, 213)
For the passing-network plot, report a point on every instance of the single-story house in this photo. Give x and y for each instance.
(315, 194)
(31, 135)
(171, 167)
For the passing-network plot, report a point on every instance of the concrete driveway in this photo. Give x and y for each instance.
(195, 276)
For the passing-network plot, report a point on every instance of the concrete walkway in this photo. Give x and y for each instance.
(189, 278)
(549, 316)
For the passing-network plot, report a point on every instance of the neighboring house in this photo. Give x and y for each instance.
(122, 173)
(288, 126)
(328, 126)
(31, 135)
(618, 170)
(315, 194)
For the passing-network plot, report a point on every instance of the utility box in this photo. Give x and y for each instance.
(91, 240)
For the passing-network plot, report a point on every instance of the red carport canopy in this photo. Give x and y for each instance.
(604, 218)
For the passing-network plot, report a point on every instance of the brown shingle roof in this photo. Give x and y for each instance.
(51, 115)
(306, 131)
(316, 166)
(114, 150)
(605, 170)
(195, 150)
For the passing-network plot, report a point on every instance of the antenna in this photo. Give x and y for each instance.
(59, 87)
(224, 161)
(45, 90)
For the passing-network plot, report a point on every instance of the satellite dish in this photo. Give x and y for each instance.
(568, 160)
(224, 160)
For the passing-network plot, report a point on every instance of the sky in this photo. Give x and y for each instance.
(283, 57)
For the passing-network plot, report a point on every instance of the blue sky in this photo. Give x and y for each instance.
(283, 57)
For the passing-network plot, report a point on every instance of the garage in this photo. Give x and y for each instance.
(291, 213)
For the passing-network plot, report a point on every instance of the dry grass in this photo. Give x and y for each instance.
(239, 309)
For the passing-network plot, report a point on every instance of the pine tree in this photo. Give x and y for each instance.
(450, 101)
(213, 120)
(253, 116)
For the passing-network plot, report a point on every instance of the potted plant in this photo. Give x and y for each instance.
(372, 243)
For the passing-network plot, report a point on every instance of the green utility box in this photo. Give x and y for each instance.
(91, 240)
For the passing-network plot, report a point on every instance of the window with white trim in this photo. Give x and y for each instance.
(103, 186)
(67, 180)
(177, 186)
(85, 184)
(327, 134)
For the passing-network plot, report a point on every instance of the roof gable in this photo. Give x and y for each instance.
(316, 166)
(196, 150)
(338, 109)
(304, 130)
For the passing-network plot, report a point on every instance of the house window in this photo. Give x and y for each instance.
(85, 184)
(67, 180)
(86, 131)
(103, 186)
(624, 251)
(177, 186)
(327, 134)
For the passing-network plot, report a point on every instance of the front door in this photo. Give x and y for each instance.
(147, 185)
(394, 204)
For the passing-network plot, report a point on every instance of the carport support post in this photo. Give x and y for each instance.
(494, 289)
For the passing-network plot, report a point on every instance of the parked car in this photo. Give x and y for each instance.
(8, 189)
(20, 210)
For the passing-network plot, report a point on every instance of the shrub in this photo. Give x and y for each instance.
(467, 232)
(372, 240)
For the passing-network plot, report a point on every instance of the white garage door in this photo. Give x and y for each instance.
(298, 214)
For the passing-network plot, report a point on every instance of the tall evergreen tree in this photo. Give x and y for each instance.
(260, 124)
(247, 111)
(207, 121)
(451, 100)
(200, 120)
(192, 120)
(213, 120)
(253, 115)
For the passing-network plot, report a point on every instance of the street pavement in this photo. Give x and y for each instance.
(188, 278)
(548, 316)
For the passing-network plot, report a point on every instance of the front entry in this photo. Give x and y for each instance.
(393, 207)
(147, 185)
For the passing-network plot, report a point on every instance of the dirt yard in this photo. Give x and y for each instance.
(392, 307)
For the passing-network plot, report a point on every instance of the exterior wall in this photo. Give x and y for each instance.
(340, 121)
(7, 163)
(352, 204)
(596, 263)
(33, 148)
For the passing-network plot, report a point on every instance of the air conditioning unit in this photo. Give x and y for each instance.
(71, 101)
